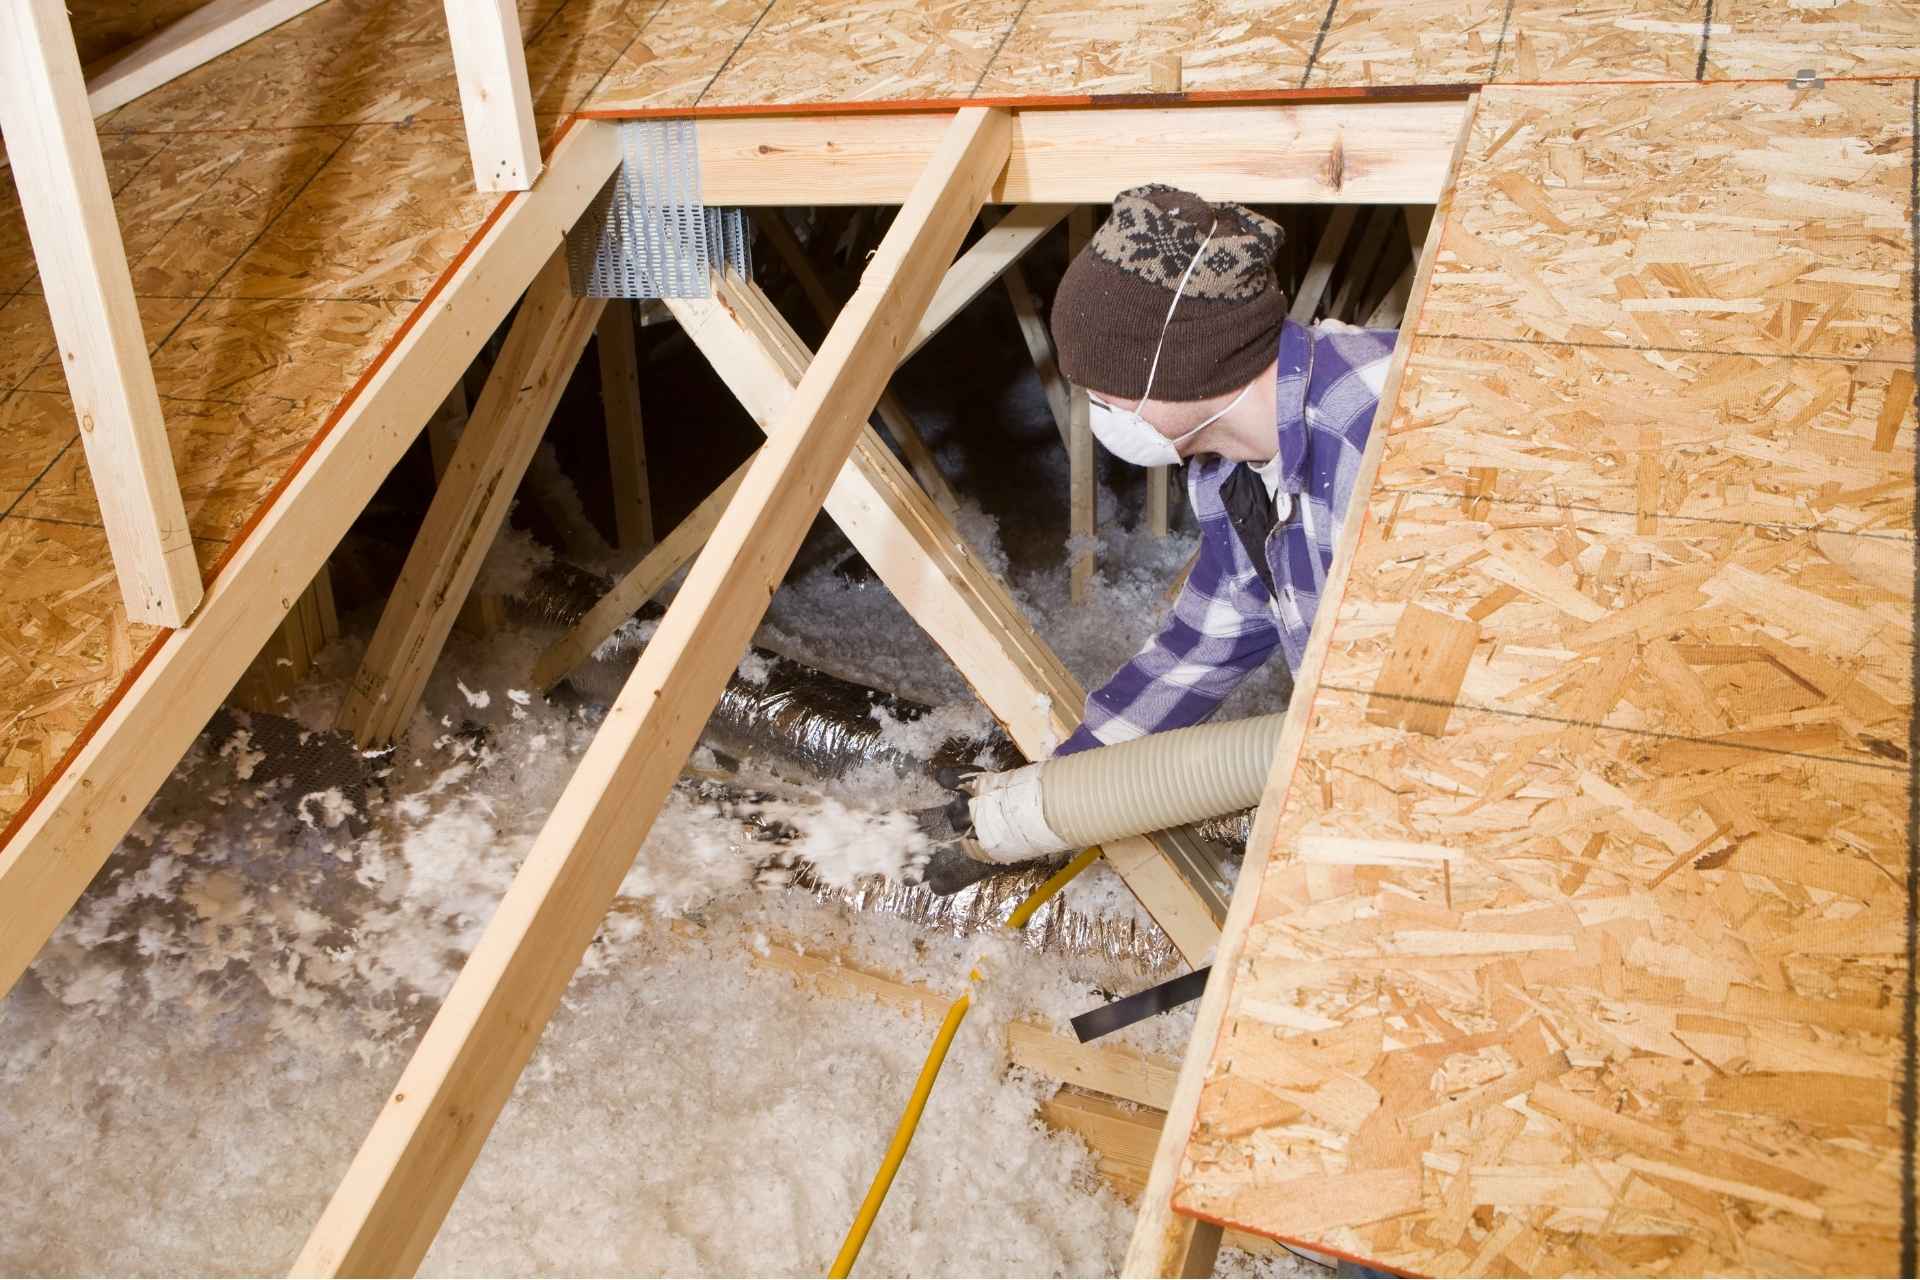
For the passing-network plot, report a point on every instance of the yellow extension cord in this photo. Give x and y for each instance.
(930, 1071)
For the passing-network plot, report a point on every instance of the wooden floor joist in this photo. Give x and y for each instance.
(549, 334)
(1297, 153)
(915, 550)
(394, 1197)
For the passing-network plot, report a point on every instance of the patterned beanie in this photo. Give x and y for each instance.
(1114, 297)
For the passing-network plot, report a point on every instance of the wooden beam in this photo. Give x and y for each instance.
(1039, 340)
(1361, 262)
(995, 253)
(63, 192)
(1159, 481)
(1164, 1241)
(626, 443)
(385, 1213)
(892, 414)
(483, 613)
(287, 657)
(549, 334)
(495, 100)
(111, 776)
(1082, 492)
(1291, 153)
(1419, 219)
(915, 550)
(181, 45)
(1393, 305)
(638, 586)
(1326, 256)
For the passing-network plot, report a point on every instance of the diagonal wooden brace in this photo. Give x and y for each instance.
(386, 1212)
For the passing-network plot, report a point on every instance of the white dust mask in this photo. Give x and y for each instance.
(1124, 432)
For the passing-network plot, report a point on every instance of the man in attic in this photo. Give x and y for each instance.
(1172, 319)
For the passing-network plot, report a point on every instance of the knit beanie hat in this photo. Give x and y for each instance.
(1113, 300)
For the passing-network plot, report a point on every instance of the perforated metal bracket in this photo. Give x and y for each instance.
(646, 235)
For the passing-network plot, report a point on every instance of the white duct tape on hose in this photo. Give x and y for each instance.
(1008, 821)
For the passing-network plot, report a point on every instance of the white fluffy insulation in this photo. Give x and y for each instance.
(190, 1065)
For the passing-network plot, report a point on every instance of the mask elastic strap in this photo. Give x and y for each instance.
(1178, 289)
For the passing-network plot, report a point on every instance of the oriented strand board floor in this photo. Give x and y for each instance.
(1584, 945)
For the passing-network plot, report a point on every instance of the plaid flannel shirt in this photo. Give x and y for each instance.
(1226, 623)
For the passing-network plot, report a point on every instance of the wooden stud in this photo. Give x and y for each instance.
(1291, 153)
(66, 837)
(920, 556)
(287, 657)
(177, 48)
(1419, 218)
(891, 412)
(68, 207)
(495, 99)
(1360, 265)
(995, 253)
(1164, 1240)
(638, 586)
(1326, 256)
(548, 336)
(1039, 340)
(385, 1213)
(483, 613)
(1159, 482)
(1393, 304)
(1082, 518)
(626, 443)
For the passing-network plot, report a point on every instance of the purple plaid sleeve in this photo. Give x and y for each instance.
(1226, 623)
(1220, 631)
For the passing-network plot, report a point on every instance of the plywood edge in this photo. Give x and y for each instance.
(1161, 1232)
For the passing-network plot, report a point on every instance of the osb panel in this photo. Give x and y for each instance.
(676, 54)
(33, 431)
(1404, 42)
(1065, 46)
(26, 336)
(1594, 215)
(1777, 39)
(1583, 945)
(187, 256)
(381, 220)
(836, 51)
(1752, 638)
(1525, 1000)
(367, 62)
(125, 157)
(65, 644)
(1797, 444)
(302, 352)
(1614, 40)
(576, 49)
(227, 457)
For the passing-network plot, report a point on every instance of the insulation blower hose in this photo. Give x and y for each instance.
(930, 1071)
(1149, 784)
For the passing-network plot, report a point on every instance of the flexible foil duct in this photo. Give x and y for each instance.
(804, 725)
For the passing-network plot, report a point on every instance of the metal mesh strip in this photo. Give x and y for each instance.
(646, 235)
